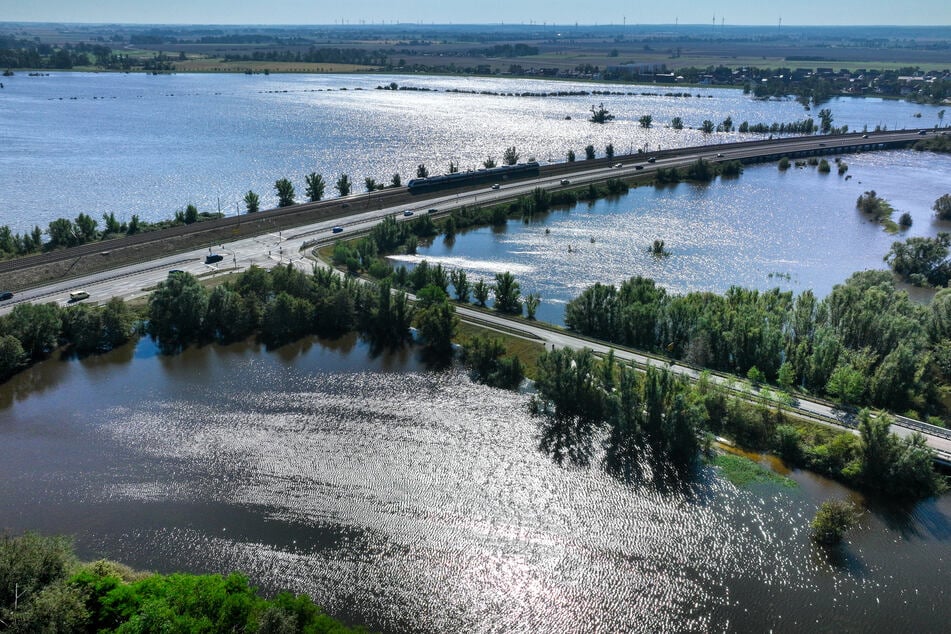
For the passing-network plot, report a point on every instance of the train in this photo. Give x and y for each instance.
(474, 177)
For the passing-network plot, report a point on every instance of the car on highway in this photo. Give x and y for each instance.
(922, 132)
(617, 165)
(5, 295)
(337, 229)
(565, 181)
(719, 155)
(76, 296)
(496, 186)
(432, 211)
(211, 258)
(652, 159)
(408, 213)
(864, 136)
(638, 167)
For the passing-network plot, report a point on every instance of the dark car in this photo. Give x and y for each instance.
(408, 213)
(337, 229)
(5, 295)
(211, 258)
(652, 159)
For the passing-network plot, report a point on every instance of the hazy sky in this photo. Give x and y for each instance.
(792, 12)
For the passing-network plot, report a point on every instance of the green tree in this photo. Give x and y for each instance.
(489, 163)
(286, 318)
(571, 156)
(135, 225)
(483, 357)
(81, 328)
(343, 185)
(32, 561)
(176, 311)
(86, 228)
(942, 207)
(36, 326)
(252, 202)
(846, 384)
(510, 156)
(453, 167)
(480, 292)
(285, 192)
(707, 126)
(113, 226)
(421, 171)
(369, 183)
(589, 152)
(395, 181)
(531, 304)
(507, 294)
(461, 285)
(12, 356)
(677, 123)
(833, 519)
(316, 185)
(825, 119)
(62, 233)
(437, 323)
(609, 150)
(646, 121)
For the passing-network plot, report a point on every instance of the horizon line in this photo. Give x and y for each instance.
(359, 23)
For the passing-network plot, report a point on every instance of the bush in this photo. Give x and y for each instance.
(833, 519)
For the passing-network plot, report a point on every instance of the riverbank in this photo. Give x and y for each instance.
(55, 592)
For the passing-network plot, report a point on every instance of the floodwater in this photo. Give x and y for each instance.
(417, 501)
(795, 230)
(152, 144)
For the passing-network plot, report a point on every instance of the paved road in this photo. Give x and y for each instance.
(268, 250)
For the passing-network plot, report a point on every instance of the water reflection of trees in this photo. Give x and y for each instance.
(647, 423)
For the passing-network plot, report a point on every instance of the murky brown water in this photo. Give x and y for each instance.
(417, 501)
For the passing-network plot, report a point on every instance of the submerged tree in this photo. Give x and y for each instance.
(833, 519)
(600, 114)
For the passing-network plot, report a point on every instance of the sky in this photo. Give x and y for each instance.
(735, 12)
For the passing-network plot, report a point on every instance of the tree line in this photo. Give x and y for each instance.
(45, 588)
(64, 233)
(31, 332)
(654, 425)
(866, 343)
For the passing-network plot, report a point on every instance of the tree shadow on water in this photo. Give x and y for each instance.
(566, 440)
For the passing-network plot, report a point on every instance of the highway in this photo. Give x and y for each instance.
(291, 245)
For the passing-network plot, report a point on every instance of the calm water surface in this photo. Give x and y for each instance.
(417, 501)
(136, 143)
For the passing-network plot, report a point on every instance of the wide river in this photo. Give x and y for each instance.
(144, 144)
(418, 501)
